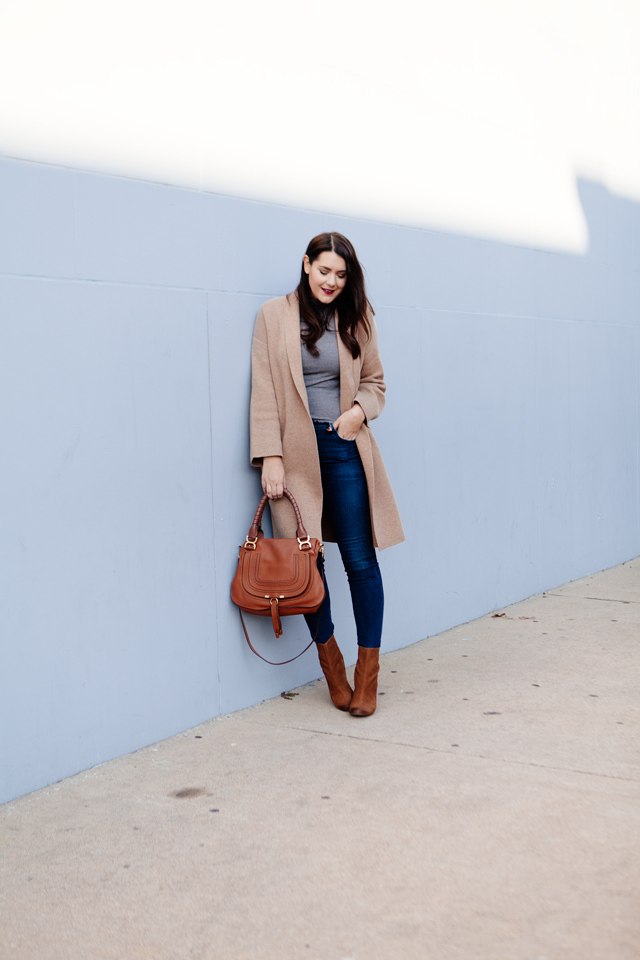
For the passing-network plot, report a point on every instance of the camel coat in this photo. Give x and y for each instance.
(281, 424)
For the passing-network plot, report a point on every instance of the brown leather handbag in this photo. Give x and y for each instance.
(279, 577)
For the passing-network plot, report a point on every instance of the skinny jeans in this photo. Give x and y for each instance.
(346, 503)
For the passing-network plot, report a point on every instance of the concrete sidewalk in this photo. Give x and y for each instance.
(489, 810)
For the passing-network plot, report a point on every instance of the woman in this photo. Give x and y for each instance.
(317, 382)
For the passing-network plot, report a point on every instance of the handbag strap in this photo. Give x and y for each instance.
(256, 526)
(275, 663)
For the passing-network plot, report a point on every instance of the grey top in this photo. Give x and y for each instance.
(322, 376)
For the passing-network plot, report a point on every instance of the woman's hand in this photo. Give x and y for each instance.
(348, 424)
(273, 477)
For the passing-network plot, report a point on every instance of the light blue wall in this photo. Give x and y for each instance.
(510, 434)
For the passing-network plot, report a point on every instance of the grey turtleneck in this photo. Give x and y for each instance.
(322, 376)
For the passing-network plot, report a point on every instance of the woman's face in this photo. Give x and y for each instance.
(327, 276)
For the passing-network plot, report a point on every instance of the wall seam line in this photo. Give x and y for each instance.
(434, 231)
(637, 368)
(538, 456)
(252, 293)
(213, 512)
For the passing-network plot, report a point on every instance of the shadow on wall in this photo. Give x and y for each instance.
(510, 434)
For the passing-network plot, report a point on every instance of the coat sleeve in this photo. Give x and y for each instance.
(266, 439)
(372, 387)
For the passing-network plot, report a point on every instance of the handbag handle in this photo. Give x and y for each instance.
(256, 526)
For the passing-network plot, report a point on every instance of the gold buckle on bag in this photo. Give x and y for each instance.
(251, 543)
(304, 543)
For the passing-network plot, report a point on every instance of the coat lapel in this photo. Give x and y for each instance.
(347, 381)
(292, 338)
(294, 355)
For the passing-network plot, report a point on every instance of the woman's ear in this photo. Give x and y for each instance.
(307, 264)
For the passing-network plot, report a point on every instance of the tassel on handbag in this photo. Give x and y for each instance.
(278, 577)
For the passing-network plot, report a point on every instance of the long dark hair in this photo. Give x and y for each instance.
(354, 308)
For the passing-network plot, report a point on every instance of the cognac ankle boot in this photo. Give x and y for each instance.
(365, 678)
(332, 665)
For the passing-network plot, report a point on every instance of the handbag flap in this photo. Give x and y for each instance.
(277, 568)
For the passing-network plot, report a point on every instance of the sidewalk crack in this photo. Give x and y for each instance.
(457, 753)
(564, 596)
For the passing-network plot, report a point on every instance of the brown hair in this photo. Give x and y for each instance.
(355, 308)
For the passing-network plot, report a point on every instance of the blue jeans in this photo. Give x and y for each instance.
(346, 503)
